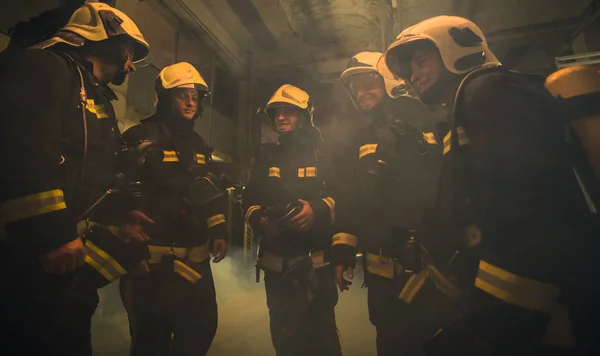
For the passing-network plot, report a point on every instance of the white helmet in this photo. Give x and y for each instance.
(461, 44)
(96, 21)
(366, 62)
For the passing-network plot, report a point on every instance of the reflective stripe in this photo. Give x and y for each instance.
(215, 220)
(103, 262)
(301, 172)
(274, 172)
(430, 138)
(186, 272)
(32, 205)
(382, 267)
(331, 204)
(343, 238)
(249, 212)
(311, 172)
(413, 286)
(200, 158)
(365, 150)
(513, 289)
(97, 109)
(170, 156)
(462, 139)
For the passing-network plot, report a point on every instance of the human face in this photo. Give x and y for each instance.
(286, 118)
(185, 102)
(368, 90)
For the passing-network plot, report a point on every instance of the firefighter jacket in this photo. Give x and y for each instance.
(508, 182)
(388, 201)
(292, 170)
(60, 129)
(178, 220)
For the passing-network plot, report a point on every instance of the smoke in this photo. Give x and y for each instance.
(243, 316)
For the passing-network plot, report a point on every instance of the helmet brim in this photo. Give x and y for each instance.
(401, 47)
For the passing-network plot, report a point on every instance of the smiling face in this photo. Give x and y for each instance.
(286, 118)
(420, 64)
(368, 90)
(185, 102)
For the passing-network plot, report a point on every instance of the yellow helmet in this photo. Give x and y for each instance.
(96, 21)
(289, 95)
(180, 75)
(461, 44)
(366, 62)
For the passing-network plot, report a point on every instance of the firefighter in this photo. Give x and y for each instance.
(396, 167)
(173, 308)
(288, 202)
(60, 129)
(509, 187)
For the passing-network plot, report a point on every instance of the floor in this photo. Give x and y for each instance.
(243, 318)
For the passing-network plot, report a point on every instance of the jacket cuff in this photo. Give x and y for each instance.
(217, 227)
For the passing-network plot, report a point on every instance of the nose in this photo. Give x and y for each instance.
(361, 92)
(129, 66)
(280, 117)
(415, 75)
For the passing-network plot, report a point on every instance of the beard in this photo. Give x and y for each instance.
(119, 78)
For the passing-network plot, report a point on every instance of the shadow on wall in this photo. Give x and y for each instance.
(243, 317)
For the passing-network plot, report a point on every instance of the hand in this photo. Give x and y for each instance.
(66, 258)
(342, 283)
(268, 228)
(305, 218)
(141, 269)
(219, 250)
(133, 230)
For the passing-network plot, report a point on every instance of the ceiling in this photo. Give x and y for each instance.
(314, 39)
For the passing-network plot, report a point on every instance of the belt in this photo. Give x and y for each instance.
(386, 267)
(84, 225)
(182, 258)
(274, 263)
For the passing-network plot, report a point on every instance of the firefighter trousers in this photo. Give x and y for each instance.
(168, 315)
(540, 298)
(303, 322)
(44, 314)
(403, 329)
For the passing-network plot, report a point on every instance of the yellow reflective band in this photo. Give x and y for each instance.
(343, 238)
(186, 272)
(382, 267)
(430, 138)
(462, 139)
(331, 204)
(215, 220)
(413, 286)
(442, 283)
(199, 254)
(97, 109)
(200, 158)
(365, 150)
(311, 172)
(103, 262)
(513, 289)
(249, 212)
(301, 172)
(95, 265)
(32, 205)
(170, 156)
(274, 172)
